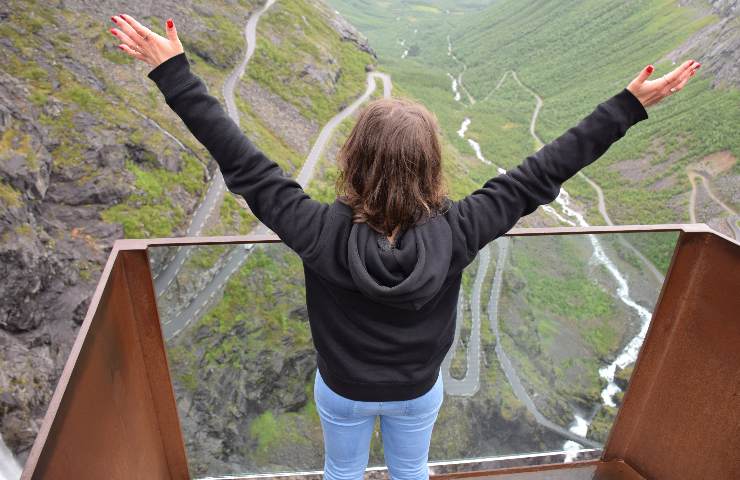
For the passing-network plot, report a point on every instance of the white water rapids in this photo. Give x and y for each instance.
(455, 88)
(9, 468)
(629, 353)
(579, 427)
(405, 53)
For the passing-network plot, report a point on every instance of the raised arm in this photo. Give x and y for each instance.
(493, 209)
(276, 200)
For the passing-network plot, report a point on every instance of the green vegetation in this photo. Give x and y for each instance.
(276, 433)
(560, 321)
(9, 196)
(20, 143)
(221, 44)
(546, 42)
(84, 97)
(150, 211)
(555, 293)
(266, 140)
(300, 67)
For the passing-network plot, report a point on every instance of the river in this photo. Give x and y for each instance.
(571, 216)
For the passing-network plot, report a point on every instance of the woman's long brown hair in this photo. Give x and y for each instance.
(391, 166)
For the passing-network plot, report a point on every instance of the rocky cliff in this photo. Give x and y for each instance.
(718, 43)
(89, 153)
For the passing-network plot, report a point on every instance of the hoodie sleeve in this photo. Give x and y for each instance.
(276, 200)
(493, 209)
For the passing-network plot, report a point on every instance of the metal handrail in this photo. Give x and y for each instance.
(138, 244)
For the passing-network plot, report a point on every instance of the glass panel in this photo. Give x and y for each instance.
(548, 331)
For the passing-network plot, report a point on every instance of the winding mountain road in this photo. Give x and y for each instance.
(217, 187)
(460, 387)
(509, 371)
(235, 259)
(470, 384)
(498, 85)
(731, 220)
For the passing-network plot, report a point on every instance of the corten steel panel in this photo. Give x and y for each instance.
(681, 413)
(113, 414)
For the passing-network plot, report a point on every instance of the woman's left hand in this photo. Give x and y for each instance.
(650, 92)
(140, 42)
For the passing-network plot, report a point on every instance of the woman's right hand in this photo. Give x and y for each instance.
(140, 42)
(650, 92)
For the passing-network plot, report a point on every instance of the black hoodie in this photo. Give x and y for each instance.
(382, 317)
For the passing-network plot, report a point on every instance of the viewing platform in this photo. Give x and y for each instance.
(123, 407)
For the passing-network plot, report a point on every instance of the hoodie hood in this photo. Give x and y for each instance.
(407, 275)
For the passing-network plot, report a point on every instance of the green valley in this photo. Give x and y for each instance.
(90, 152)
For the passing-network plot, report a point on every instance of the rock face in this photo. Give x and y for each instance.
(348, 32)
(26, 371)
(38, 275)
(74, 146)
(716, 46)
(64, 160)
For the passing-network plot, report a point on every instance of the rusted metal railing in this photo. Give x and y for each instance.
(113, 414)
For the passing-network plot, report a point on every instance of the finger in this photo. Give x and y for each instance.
(684, 74)
(136, 41)
(140, 29)
(680, 85)
(686, 78)
(171, 31)
(676, 73)
(645, 73)
(124, 38)
(132, 52)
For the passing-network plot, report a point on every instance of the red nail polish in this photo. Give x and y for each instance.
(699, 65)
(120, 47)
(649, 69)
(113, 31)
(114, 19)
(170, 23)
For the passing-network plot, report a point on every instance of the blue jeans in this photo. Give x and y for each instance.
(348, 425)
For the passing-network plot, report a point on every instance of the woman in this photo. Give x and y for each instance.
(383, 263)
